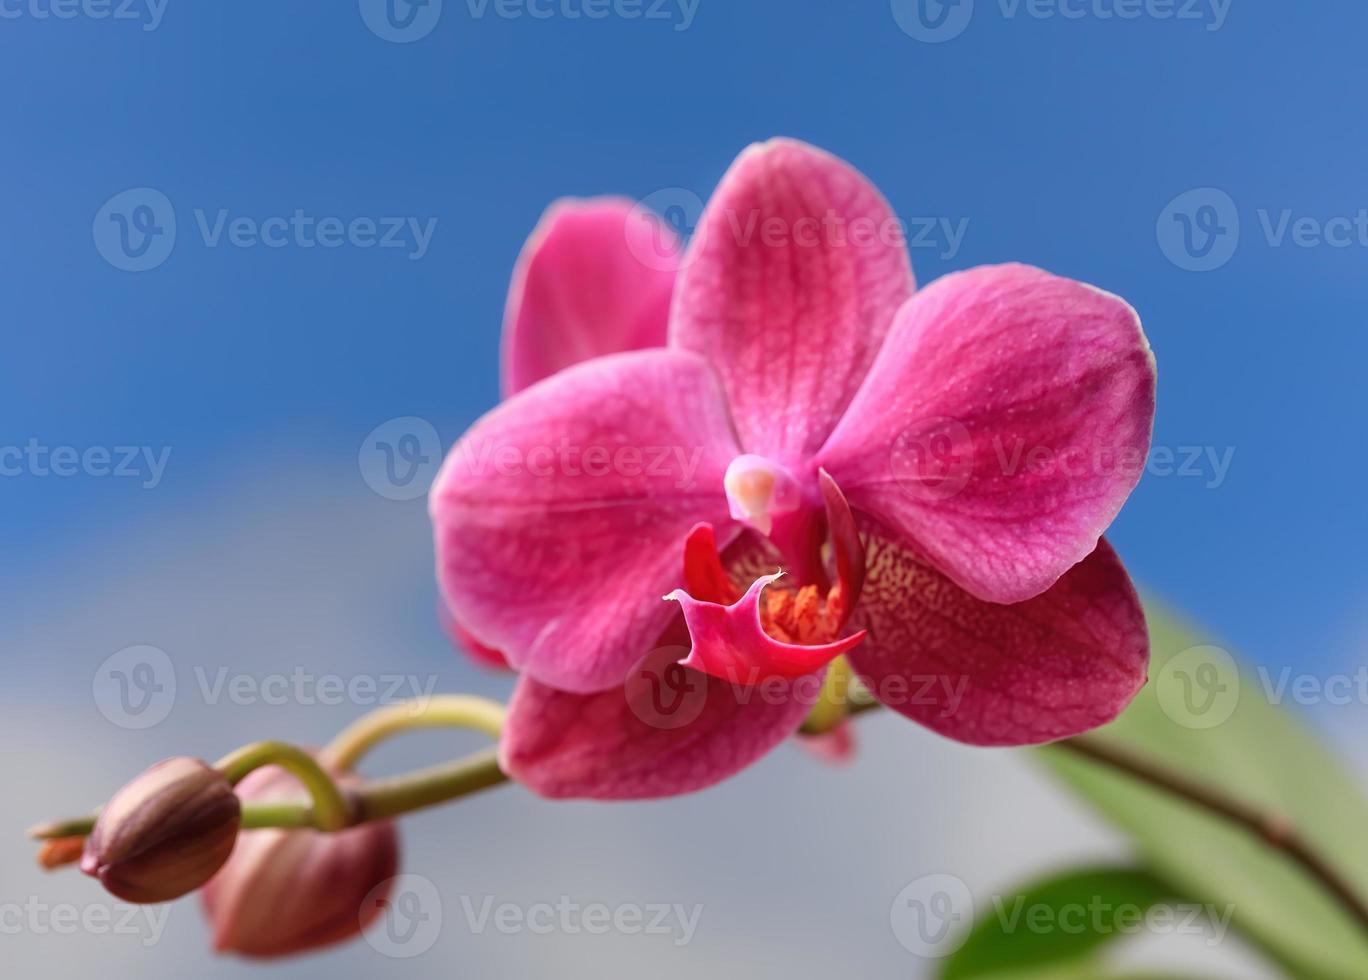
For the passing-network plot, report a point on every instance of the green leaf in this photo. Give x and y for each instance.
(1056, 927)
(1203, 716)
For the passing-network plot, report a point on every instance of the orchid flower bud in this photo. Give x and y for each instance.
(164, 834)
(290, 891)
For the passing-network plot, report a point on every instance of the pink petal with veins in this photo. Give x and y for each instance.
(666, 731)
(789, 285)
(1054, 666)
(560, 517)
(579, 291)
(1004, 424)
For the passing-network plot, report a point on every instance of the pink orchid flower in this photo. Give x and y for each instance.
(819, 462)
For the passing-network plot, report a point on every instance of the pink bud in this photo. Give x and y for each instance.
(164, 834)
(290, 891)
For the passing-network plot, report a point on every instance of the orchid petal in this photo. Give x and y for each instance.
(846, 548)
(462, 639)
(789, 285)
(1005, 422)
(579, 292)
(561, 516)
(1062, 663)
(666, 731)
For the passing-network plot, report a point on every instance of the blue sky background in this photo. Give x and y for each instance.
(1060, 141)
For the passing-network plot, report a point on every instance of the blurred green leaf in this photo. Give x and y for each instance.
(1047, 930)
(1202, 716)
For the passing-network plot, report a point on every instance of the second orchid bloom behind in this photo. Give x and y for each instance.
(931, 470)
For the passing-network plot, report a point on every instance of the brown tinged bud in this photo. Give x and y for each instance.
(291, 891)
(164, 834)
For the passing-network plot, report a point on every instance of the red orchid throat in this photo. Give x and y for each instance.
(772, 628)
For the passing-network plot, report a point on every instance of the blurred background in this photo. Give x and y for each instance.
(201, 344)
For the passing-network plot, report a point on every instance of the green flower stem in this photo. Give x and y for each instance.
(255, 816)
(330, 809)
(388, 798)
(375, 800)
(833, 704)
(76, 827)
(1270, 829)
(384, 798)
(443, 711)
(290, 816)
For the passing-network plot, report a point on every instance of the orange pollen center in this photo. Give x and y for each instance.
(802, 616)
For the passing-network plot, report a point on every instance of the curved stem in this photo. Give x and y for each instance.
(443, 711)
(1275, 831)
(384, 798)
(255, 816)
(833, 704)
(330, 809)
